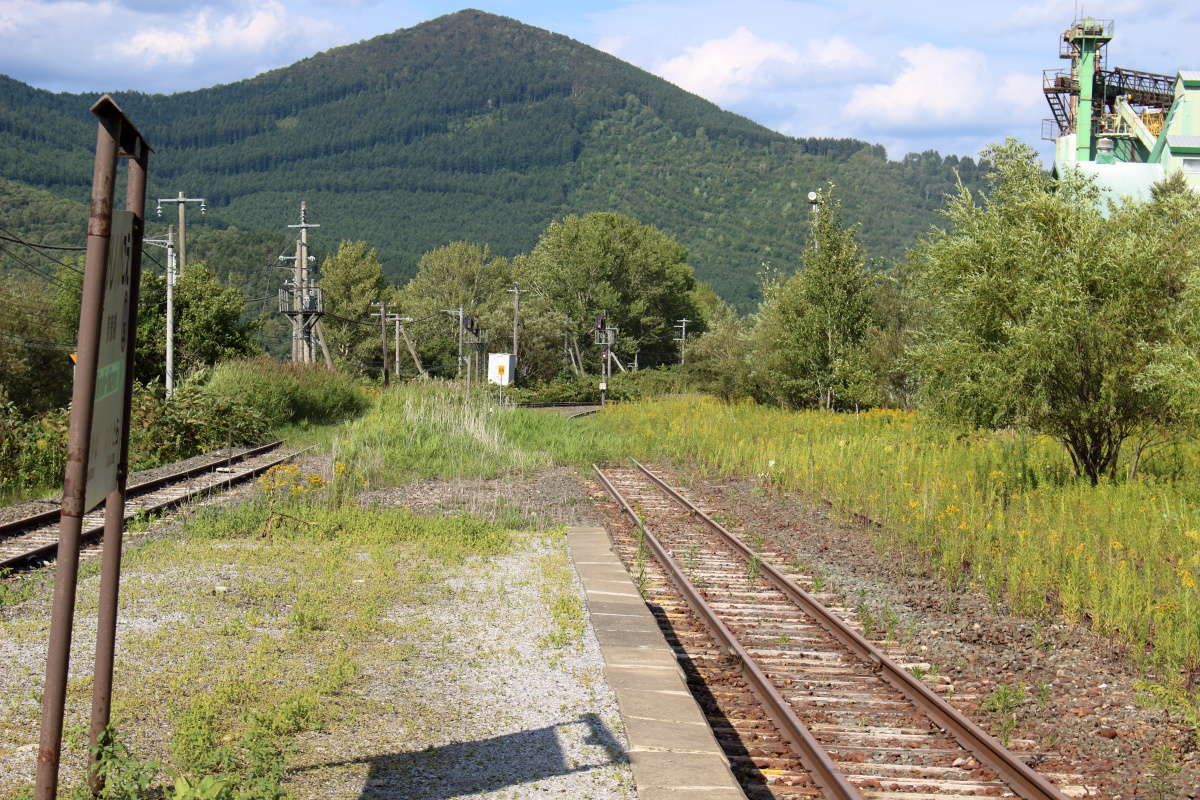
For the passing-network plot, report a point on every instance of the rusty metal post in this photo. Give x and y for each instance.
(114, 508)
(62, 613)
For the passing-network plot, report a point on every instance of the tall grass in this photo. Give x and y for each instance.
(999, 510)
(288, 394)
(427, 430)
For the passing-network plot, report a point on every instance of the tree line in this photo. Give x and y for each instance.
(1036, 306)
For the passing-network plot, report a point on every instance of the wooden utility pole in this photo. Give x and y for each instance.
(182, 202)
(383, 318)
(516, 293)
(412, 349)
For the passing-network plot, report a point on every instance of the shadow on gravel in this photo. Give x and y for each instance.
(464, 769)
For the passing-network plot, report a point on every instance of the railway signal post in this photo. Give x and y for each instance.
(98, 433)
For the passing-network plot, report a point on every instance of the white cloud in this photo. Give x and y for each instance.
(1060, 13)
(18, 15)
(727, 69)
(613, 45)
(938, 86)
(264, 24)
(179, 44)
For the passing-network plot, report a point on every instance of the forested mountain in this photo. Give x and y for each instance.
(478, 127)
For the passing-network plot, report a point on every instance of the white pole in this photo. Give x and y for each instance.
(170, 311)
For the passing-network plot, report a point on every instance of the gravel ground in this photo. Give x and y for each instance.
(556, 496)
(498, 714)
(489, 709)
(1081, 694)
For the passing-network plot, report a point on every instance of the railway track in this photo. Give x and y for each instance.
(33, 539)
(803, 703)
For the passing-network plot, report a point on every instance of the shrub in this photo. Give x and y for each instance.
(287, 394)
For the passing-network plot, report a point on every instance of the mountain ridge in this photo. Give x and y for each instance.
(476, 126)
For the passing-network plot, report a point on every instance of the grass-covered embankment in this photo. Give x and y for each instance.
(997, 510)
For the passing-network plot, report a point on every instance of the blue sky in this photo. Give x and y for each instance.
(912, 76)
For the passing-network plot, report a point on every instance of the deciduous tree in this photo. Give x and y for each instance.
(1052, 313)
(351, 283)
(811, 330)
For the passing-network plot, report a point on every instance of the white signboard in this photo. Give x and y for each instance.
(501, 368)
(112, 364)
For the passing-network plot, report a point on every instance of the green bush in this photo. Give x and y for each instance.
(287, 394)
(33, 450)
(189, 423)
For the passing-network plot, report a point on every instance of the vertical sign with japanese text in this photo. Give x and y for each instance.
(112, 364)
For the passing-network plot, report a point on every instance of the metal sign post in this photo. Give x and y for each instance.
(103, 383)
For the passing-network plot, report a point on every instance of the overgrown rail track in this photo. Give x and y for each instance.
(803, 703)
(33, 539)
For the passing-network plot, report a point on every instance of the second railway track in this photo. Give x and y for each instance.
(34, 538)
(803, 703)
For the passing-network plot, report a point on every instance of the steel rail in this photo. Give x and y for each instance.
(50, 515)
(829, 779)
(1024, 780)
(95, 530)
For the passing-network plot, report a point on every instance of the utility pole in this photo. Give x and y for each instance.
(606, 337)
(310, 310)
(682, 326)
(516, 293)
(172, 274)
(182, 202)
(412, 349)
(303, 303)
(383, 321)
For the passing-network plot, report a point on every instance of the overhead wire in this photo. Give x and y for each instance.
(30, 267)
(12, 237)
(39, 248)
(44, 343)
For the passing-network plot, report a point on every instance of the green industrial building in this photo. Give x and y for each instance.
(1129, 129)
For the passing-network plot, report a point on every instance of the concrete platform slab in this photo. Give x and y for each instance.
(627, 638)
(671, 748)
(690, 793)
(664, 706)
(647, 677)
(695, 737)
(680, 770)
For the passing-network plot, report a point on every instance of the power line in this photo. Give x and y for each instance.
(351, 321)
(12, 237)
(45, 343)
(146, 253)
(38, 249)
(30, 267)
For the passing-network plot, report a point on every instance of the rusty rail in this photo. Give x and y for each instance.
(50, 515)
(816, 760)
(1025, 781)
(95, 531)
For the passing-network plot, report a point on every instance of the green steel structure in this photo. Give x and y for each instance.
(1128, 129)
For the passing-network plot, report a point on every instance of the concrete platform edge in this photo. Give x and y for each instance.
(671, 749)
